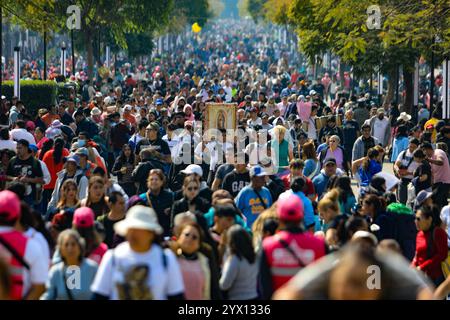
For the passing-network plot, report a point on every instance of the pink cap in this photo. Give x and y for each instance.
(83, 217)
(290, 208)
(9, 205)
(30, 125)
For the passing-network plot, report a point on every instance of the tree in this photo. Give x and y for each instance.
(341, 27)
(256, 9)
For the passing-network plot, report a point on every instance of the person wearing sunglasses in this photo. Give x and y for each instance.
(191, 200)
(335, 151)
(431, 244)
(199, 277)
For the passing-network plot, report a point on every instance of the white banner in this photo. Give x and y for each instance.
(63, 62)
(380, 83)
(446, 89)
(416, 84)
(17, 71)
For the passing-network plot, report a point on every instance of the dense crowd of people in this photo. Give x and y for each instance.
(117, 192)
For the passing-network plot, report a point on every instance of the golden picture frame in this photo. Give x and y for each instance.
(220, 116)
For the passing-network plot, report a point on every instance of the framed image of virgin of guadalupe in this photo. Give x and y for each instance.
(220, 116)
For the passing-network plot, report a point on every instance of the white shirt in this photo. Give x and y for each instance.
(213, 152)
(407, 159)
(312, 132)
(252, 123)
(256, 152)
(172, 143)
(8, 144)
(162, 281)
(45, 172)
(32, 233)
(445, 217)
(379, 128)
(19, 134)
(39, 264)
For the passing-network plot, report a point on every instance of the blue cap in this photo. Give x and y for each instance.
(257, 171)
(159, 102)
(33, 147)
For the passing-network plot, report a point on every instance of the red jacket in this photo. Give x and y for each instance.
(18, 242)
(428, 260)
(282, 263)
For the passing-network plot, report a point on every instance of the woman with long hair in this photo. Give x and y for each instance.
(159, 198)
(312, 166)
(381, 222)
(346, 197)
(329, 212)
(68, 200)
(240, 269)
(96, 198)
(71, 247)
(54, 160)
(194, 265)
(123, 167)
(47, 146)
(431, 244)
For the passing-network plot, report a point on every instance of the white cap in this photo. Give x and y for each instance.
(98, 94)
(193, 168)
(127, 107)
(139, 217)
(95, 111)
(366, 235)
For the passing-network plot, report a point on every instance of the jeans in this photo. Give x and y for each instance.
(440, 194)
(402, 192)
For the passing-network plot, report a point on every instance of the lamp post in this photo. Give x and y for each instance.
(45, 55)
(63, 58)
(17, 71)
(73, 52)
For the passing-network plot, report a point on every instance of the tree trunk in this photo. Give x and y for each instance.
(390, 89)
(408, 78)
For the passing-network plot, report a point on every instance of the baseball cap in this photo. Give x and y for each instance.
(312, 92)
(365, 235)
(127, 107)
(329, 160)
(83, 217)
(421, 197)
(9, 205)
(429, 126)
(193, 168)
(73, 158)
(257, 171)
(82, 152)
(159, 102)
(33, 147)
(381, 110)
(290, 208)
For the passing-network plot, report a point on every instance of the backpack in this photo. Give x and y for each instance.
(404, 228)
